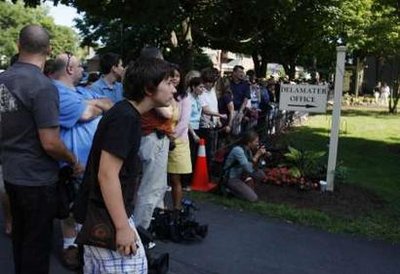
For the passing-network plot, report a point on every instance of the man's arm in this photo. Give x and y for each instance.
(53, 146)
(244, 104)
(110, 186)
(206, 110)
(231, 110)
(91, 111)
(104, 104)
(246, 98)
(194, 135)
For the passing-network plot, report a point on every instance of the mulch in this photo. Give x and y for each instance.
(346, 201)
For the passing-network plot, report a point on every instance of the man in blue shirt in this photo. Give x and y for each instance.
(80, 112)
(109, 84)
(241, 94)
(240, 88)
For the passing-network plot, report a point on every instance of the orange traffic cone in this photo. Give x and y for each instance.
(200, 181)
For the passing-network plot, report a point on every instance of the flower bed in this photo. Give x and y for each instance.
(282, 176)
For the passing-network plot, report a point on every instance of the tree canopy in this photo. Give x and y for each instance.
(284, 31)
(14, 17)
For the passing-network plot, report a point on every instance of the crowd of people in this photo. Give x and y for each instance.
(128, 133)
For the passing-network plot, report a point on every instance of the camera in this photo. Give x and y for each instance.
(157, 263)
(177, 225)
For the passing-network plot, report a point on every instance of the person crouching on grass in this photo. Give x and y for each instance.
(110, 240)
(241, 167)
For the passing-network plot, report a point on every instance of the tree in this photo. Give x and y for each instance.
(268, 30)
(271, 31)
(372, 28)
(14, 16)
(128, 29)
(281, 31)
(388, 42)
(117, 36)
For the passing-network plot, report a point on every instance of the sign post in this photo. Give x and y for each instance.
(334, 136)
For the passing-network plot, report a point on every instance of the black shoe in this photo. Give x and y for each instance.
(70, 258)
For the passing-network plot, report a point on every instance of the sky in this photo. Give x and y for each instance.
(63, 15)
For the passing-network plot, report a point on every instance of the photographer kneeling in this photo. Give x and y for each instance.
(241, 167)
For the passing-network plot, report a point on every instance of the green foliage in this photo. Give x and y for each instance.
(370, 148)
(370, 27)
(62, 39)
(306, 164)
(14, 16)
(287, 31)
(201, 61)
(341, 173)
(118, 36)
(271, 31)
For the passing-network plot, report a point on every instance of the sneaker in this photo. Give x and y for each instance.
(187, 188)
(70, 258)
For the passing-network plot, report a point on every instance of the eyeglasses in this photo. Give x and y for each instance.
(69, 56)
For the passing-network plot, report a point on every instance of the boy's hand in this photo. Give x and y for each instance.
(126, 239)
(78, 169)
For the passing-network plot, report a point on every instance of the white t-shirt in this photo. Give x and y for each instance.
(385, 90)
(210, 98)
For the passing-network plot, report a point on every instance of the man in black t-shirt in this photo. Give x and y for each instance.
(112, 170)
(31, 149)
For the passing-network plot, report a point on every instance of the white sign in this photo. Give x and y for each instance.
(309, 98)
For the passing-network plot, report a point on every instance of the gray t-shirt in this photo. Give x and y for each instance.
(28, 102)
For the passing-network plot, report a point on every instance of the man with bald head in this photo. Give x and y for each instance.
(80, 113)
(31, 149)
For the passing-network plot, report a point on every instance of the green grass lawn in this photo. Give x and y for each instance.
(369, 146)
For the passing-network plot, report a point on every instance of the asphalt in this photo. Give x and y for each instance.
(239, 242)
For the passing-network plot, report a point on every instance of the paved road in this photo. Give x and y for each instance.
(245, 243)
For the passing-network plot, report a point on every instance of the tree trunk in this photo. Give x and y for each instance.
(187, 45)
(359, 77)
(394, 97)
(256, 61)
(287, 69)
(379, 68)
(187, 59)
(264, 66)
(314, 63)
(260, 64)
(395, 94)
(290, 69)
